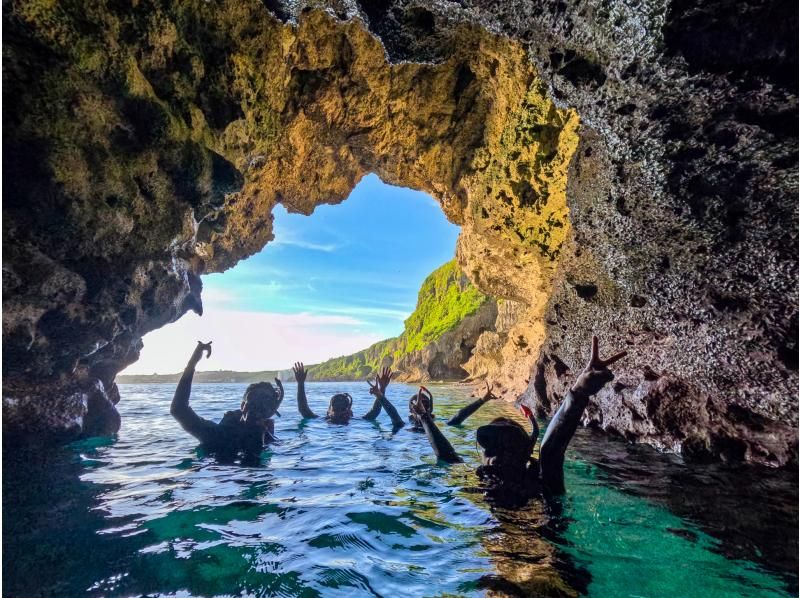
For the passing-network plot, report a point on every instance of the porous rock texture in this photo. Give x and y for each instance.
(623, 169)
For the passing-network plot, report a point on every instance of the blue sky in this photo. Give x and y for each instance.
(329, 284)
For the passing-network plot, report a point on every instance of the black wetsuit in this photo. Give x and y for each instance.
(225, 439)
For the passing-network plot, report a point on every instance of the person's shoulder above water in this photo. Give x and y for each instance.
(231, 418)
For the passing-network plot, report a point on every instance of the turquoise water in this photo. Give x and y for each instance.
(355, 510)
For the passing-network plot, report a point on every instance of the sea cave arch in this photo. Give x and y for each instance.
(150, 146)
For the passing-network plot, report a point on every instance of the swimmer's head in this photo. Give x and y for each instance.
(504, 443)
(422, 399)
(261, 401)
(340, 409)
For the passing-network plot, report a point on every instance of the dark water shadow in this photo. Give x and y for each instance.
(52, 545)
(751, 510)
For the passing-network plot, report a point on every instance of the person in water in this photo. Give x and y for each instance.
(507, 462)
(242, 431)
(340, 407)
(425, 396)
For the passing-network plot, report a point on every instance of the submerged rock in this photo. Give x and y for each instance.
(627, 170)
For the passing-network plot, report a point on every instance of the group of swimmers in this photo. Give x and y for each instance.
(506, 447)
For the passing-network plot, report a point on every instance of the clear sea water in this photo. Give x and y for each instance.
(356, 510)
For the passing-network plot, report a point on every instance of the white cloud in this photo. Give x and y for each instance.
(252, 341)
(290, 237)
(375, 312)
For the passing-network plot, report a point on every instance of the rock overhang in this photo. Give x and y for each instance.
(296, 112)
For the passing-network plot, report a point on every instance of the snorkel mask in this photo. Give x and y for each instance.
(261, 401)
(340, 409)
(426, 398)
(504, 443)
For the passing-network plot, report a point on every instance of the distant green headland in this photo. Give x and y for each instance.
(445, 299)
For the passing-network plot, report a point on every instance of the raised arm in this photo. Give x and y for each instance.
(383, 378)
(375, 390)
(302, 403)
(441, 446)
(202, 429)
(564, 423)
(465, 412)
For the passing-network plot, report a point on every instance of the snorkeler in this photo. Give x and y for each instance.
(507, 447)
(244, 430)
(425, 396)
(340, 407)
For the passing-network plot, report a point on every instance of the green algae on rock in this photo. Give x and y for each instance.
(437, 341)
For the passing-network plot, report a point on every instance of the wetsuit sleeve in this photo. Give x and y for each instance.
(397, 421)
(375, 411)
(558, 435)
(465, 412)
(441, 446)
(204, 430)
(302, 402)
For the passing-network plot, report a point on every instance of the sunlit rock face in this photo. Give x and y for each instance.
(146, 145)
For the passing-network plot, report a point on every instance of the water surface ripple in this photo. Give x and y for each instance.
(357, 510)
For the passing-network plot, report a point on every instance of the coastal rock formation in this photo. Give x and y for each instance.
(624, 169)
(439, 338)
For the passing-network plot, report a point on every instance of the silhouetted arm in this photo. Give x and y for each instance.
(397, 421)
(556, 438)
(441, 446)
(378, 390)
(204, 430)
(465, 412)
(302, 402)
(565, 422)
(375, 411)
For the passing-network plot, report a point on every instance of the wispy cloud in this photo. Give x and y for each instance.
(252, 341)
(291, 238)
(364, 312)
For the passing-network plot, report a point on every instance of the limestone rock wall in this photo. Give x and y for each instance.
(627, 169)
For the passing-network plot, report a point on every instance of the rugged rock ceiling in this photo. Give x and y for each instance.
(623, 169)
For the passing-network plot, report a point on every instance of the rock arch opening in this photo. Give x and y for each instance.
(197, 153)
(147, 146)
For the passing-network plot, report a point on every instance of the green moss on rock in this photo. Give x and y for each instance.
(445, 298)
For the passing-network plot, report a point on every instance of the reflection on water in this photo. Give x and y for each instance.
(344, 510)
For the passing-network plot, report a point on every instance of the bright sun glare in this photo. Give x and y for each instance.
(330, 284)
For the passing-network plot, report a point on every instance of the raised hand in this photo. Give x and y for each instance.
(596, 374)
(299, 372)
(383, 378)
(489, 395)
(199, 350)
(375, 389)
(419, 406)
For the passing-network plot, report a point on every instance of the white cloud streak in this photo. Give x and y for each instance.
(252, 341)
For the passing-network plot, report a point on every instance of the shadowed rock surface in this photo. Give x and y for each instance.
(627, 170)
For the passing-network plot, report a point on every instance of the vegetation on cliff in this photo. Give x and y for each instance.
(445, 298)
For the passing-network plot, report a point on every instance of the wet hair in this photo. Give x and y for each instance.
(261, 398)
(341, 406)
(505, 440)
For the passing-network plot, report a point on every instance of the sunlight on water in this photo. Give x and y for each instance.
(336, 511)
